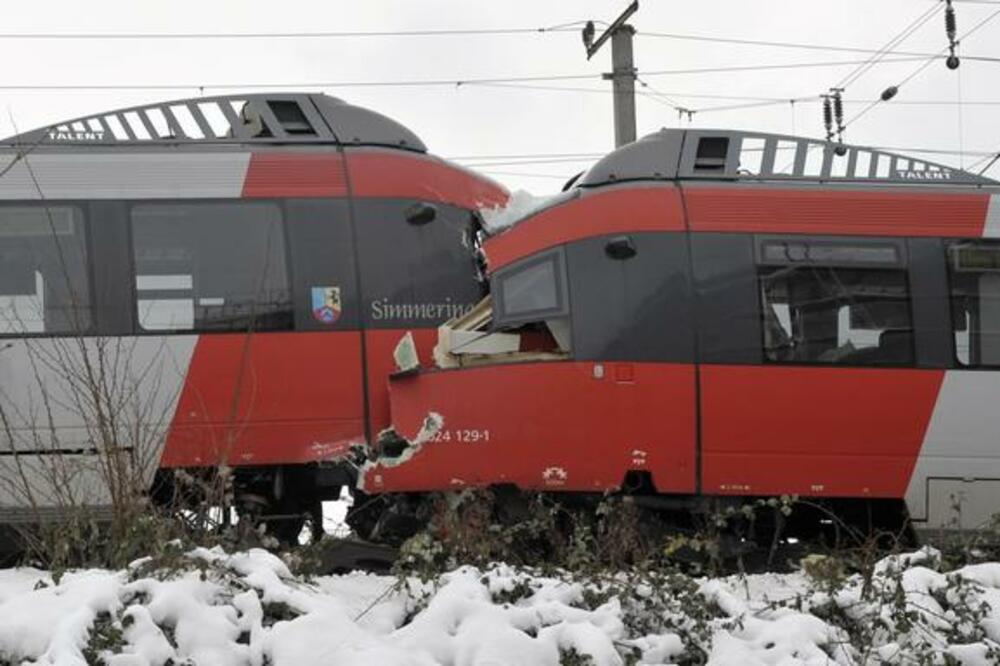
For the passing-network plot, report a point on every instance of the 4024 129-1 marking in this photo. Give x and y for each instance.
(462, 436)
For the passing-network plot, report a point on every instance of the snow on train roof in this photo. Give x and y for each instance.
(520, 205)
(264, 118)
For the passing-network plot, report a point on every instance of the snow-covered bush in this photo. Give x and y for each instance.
(206, 606)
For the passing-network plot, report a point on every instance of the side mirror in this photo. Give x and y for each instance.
(420, 213)
(620, 247)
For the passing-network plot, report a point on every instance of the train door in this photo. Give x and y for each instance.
(818, 373)
(631, 320)
(416, 273)
(956, 481)
(269, 289)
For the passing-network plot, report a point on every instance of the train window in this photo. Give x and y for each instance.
(210, 266)
(974, 276)
(533, 290)
(44, 282)
(846, 316)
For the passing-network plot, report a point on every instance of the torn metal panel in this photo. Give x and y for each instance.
(392, 449)
(468, 340)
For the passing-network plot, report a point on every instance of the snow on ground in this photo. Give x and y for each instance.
(208, 607)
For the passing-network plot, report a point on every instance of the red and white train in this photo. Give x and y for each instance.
(730, 314)
(701, 314)
(233, 274)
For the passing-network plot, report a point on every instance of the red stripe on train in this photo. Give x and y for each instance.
(295, 175)
(594, 213)
(398, 174)
(836, 212)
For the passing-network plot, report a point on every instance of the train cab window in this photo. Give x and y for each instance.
(834, 303)
(533, 290)
(44, 282)
(974, 276)
(210, 267)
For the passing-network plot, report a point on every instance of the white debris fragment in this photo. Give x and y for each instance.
(520, 205)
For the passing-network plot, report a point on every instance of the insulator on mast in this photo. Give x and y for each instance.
(833, 110)
(828, 117)
(951, 29)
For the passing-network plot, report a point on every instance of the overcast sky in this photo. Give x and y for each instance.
(475, 122)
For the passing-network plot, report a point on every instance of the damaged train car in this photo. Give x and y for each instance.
(216, 283)
(723, 314)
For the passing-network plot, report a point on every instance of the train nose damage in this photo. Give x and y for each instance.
(513, 407)
(393, 449)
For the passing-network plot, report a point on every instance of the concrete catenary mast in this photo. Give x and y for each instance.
(622, 75)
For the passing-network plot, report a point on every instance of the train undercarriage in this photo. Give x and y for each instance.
(730, 533)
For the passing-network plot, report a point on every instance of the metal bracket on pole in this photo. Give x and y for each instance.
(624, 73)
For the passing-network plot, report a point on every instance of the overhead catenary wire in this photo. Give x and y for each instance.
(882, 53)
(836, 91)
(794, 45)
(923, 67)
(669, 98)
(300, 34)
(990, 163)
(569, 27)
(527, 175)
(672, 95)
(527, 161)
(454, 82)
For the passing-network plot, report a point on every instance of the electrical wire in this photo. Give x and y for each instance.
(657, 95)
(527, 175)
(511, 156)
(440, 32)
(988, 164)
(775, 66)
(900, 37)
(806, 99)
(775, 44)
(557, 160)
(922, 67)
(426, 82)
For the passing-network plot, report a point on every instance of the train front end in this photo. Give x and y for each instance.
(734, 316)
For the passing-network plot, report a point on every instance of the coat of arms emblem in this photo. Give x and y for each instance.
(326, 306)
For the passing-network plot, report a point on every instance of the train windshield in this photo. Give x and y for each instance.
(531, 290)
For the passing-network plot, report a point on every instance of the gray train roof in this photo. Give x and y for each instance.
(672, 154)
(238, 119)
